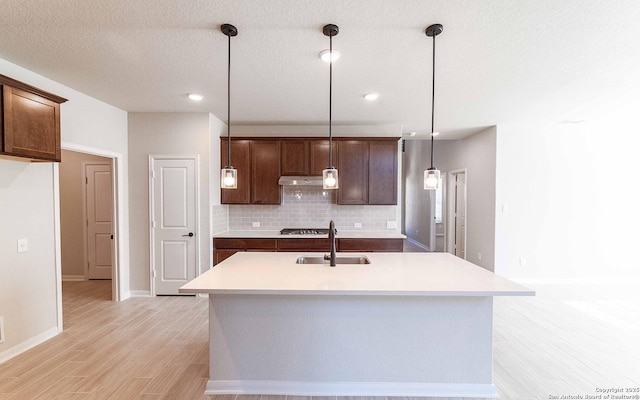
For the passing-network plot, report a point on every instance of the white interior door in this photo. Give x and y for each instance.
(174, 222)
(460, 214)
(99, 203)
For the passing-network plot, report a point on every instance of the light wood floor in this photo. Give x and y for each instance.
(566, 341)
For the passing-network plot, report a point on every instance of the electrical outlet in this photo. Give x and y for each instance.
(256, 224)
(1, 329)
(23, 245)
(357, 224)
(523, 262)
(479, 256)
(391, 225)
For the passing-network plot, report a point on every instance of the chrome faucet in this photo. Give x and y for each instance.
(332, 239)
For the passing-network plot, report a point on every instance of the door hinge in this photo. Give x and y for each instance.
(153, 173)
(153, 273)
(153, 224)
(86, 180)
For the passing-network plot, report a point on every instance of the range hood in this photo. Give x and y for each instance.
(300, 181)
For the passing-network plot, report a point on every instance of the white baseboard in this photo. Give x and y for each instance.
(304, 388)
(73, 278)
(140, 293)
(28, 344)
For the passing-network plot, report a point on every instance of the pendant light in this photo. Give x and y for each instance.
(432, 175)
(330, 175)
(228, 174)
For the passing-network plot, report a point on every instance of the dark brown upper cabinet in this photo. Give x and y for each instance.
(29, 122)
(383, 172)
(367, 171)
(294, 157)
(265, 172)
(258, 165)
(319, 156)
(353, 171)
(305, 157)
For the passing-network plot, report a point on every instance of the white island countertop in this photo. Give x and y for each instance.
(344, 234)
(389, 274)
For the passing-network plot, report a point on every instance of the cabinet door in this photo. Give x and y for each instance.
(240, 160)
(353, 171)
(294, 157)
(31, 125)
(221, 255)
(265, 171)
(304, 245)
(383, 172)
(319, 156)
(370, 245)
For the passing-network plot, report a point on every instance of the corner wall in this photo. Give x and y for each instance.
(476, 154)
(166, 133)
(29, 287)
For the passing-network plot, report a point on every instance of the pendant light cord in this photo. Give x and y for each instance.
(229, 103)
(330, 97)
(433, 95)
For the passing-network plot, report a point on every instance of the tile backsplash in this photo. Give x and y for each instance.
(309, 207)
(219, 218)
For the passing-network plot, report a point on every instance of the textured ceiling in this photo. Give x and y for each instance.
(497, 60)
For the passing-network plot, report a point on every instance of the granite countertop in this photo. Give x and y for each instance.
(389, 274)
(341, 234)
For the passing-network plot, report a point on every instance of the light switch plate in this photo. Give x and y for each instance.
(391, 225)
(256, 224)
(1, 329)
(23, 245)
(357, 224)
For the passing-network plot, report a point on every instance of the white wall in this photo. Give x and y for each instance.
(72, 223)
(571, 197)
(28, 287)
(166, 133)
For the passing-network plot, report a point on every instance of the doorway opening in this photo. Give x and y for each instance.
(88, 218)
(456, 226)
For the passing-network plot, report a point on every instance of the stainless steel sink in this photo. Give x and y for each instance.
(339, 260)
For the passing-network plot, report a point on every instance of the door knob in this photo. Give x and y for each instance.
(190, 234)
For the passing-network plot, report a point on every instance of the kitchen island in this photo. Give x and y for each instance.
(408, 324)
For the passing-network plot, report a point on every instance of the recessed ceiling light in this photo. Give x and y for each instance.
(196, 96)
(326, 55)
(371, 96)
(435, 133)
(411, 133)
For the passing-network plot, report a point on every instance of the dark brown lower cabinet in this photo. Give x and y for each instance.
(226, 247)
(370, 245)
(319, 244)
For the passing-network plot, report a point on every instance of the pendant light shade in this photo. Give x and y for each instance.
(432, 175)
(330, 174)
(229, 178)
(431, 179)
(228, 174)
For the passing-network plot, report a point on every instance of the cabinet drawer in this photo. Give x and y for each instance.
(370, 245)
(320, 244)
(244, 244)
